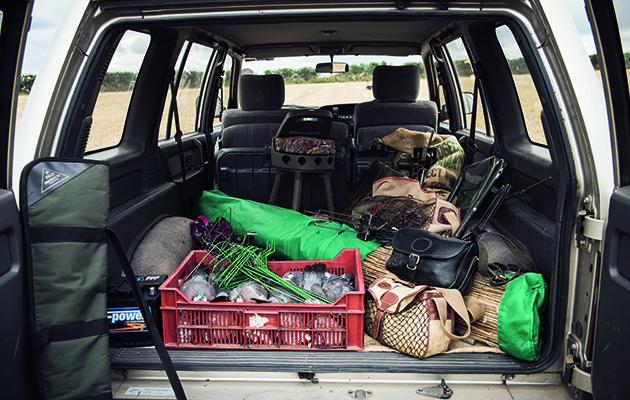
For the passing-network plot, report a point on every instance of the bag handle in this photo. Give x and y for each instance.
(402, 295)
(391, 296)
(453, 219)
(453, 298)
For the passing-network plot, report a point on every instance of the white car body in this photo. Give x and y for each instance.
(585, 117)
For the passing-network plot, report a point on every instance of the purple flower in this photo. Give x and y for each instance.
(205, 233)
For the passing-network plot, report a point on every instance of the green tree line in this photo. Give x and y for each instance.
(517, 67)
(123, 81)
(356, 72)
(26, 83)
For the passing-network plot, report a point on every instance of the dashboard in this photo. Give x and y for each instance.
(342, 113)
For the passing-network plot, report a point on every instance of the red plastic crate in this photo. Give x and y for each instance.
(290, 326)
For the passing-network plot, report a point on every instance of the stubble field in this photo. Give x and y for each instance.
(109, 114)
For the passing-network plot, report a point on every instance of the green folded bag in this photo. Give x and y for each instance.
(65, 208)
(519, 316)
(296, 236)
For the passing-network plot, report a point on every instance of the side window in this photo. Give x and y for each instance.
(193, 62)
(112, 104)
(462, 71)
(623, 20)
(224, 93)
(527, 94)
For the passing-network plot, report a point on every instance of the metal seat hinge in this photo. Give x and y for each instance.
(581, 380)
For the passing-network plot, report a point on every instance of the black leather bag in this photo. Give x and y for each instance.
(426, 258)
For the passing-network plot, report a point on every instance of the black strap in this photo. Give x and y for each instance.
(144, 309)
(178, 130)
(71, 331)
(471, 147)
(61, 234)
(178, 135)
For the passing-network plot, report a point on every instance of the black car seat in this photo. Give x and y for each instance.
(260, 99)
(242, 154)
(395, 105)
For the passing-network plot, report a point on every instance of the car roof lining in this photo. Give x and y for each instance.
(316, 38)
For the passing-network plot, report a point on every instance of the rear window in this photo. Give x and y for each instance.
(306, 88)
(193, 61)
(527, 94)
(110, 110)
(462, 70)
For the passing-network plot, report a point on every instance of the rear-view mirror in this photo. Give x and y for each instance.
(331, 68)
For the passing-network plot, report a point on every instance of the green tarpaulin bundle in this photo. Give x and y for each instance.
(296, 236)
(518, 327)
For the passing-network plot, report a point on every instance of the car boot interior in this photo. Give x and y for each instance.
(159, 169)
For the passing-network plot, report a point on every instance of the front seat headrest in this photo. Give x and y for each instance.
(261, 92)
(399, 83)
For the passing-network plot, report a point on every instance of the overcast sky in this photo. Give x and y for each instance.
(47, 15)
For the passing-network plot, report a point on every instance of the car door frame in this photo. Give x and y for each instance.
(15, 355)
(608, 373)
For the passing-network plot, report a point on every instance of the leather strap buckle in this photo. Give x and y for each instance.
(415, 264)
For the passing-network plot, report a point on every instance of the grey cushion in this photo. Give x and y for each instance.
(163, 248)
